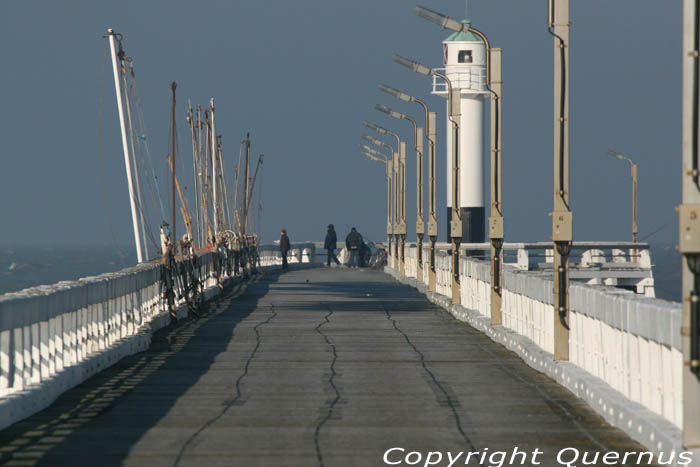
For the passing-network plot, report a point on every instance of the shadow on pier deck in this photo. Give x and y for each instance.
(314, 367)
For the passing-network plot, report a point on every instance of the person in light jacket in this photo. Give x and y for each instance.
(284, 248)
(331, 244)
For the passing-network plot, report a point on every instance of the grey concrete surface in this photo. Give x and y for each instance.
(315, 367)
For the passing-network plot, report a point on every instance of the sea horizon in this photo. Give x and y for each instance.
(24, 266)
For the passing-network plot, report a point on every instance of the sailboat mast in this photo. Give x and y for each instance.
(190, 120)
(246, 186)
(174, 238)
(125, 145)
(213, 169)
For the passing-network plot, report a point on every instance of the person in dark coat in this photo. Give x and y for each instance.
(331, 244)
(365, 255)
(284, 248)
(353, 242)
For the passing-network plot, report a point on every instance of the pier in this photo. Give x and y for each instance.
(312, 367)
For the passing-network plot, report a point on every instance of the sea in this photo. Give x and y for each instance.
(27, 266)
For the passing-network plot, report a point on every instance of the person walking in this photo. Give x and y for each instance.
(331, 244)
(284, 248)
(353, 242)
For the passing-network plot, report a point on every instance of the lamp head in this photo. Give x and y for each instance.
(377, 128)
(446, 22)
(615, 154)
(395, 92)
(388, 111)
(413, 65)
(372, 140)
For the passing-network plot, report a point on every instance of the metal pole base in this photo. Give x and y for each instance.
(402, 257)
(419, 259)
(432, 279)
(496, 270)
(456, 290)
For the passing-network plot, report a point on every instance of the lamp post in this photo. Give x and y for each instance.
(633, 170)
(379, 157)
(430, 126)
(453, 99)
(494, 83)
(562, 217)
(418, 146)
(399, 193)
(689, 225)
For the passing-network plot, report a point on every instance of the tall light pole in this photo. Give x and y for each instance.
(430, 126)
(453, 100)
(390, 185)
(379, 157)
(418, 146)
(562, 217)
(494, 83)
(633, 171)
(399, 193)
(689, 225)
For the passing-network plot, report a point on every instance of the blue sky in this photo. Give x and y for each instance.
(301, 77)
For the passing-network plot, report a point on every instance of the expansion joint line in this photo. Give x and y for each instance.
(239, 393)
(331, 381)
(452, 404)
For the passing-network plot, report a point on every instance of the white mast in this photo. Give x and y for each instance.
(213, 168)
(125, 144)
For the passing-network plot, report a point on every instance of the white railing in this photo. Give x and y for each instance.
(54, 337)
(466, 77)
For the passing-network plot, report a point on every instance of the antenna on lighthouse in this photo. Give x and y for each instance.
(466, 9)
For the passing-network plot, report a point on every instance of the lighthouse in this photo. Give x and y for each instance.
(464, 59)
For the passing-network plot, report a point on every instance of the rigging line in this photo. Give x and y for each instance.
(146, 230)
(143, 139)
(656, 231)
(122, 257)
(133, 152)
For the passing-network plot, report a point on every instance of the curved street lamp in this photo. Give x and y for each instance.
(398, 227)
(430, 119)
(418, 146)
(633, 170)
(379, 157)
(453, 104)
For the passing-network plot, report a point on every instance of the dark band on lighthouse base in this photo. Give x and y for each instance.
(473, 224)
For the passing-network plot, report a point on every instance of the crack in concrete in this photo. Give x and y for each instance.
(239, 393)
(329, 414)
(452, 404)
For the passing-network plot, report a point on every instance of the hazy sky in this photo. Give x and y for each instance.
(301, 76)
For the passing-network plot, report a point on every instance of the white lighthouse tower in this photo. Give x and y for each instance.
(464, 57)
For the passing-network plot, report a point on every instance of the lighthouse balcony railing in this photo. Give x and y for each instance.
(467, 78)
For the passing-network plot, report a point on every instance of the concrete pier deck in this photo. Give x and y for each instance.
(314, 367)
